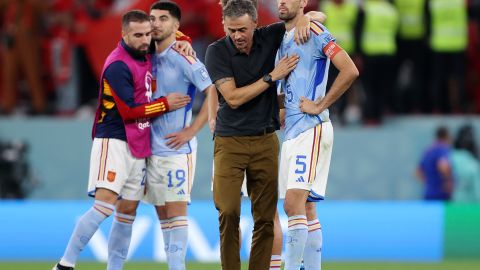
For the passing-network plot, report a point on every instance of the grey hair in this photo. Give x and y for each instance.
(238, 8)
(225, 2)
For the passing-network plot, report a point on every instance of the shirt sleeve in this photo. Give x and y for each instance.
(181, 36)
(218, 62)
(324, 41)
(120, 81)
(197, 74)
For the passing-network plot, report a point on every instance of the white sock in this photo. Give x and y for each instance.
(312, 255)
(177, 248)
(119, 241)
(275, 262)
(295, 243)
(165, 225)
(85, 228)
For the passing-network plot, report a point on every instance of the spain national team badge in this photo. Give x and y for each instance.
(111, 176)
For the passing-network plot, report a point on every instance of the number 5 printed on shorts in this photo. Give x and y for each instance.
(301, 167)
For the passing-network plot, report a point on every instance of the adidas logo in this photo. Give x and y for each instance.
(300, 179)
(181, 192)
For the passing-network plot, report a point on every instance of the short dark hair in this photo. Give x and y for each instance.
(466, 140)
(171, 7)
(225, 2)
(238, 8)
(134, 16)
(442, 133)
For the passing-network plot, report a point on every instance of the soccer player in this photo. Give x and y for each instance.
(121, 141)
(171, 168)
(306, 151)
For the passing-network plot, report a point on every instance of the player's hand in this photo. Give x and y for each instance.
(309, 107)
(284, 67)
(177, 101)
(184, 48)
(302, 30)
(175, 140)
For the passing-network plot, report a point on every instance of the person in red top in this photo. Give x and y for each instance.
(20, 51)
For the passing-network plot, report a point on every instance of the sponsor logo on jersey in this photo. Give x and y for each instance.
(148, 85)
(143, 124)
(204, 74)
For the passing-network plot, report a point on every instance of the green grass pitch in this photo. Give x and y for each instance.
(446, 265)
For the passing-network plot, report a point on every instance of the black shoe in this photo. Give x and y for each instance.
(58, 266)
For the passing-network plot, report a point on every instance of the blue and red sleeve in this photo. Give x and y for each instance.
(118, 81)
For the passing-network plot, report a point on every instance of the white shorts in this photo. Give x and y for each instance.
(113, 167)
(305, 162)
(170, 179)
(243, 192)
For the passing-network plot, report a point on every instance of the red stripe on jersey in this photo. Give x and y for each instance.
(318, 25)
(151, 109)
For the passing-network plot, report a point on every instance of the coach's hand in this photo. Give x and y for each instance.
(284, 67)
(175, 140)
(177, 101)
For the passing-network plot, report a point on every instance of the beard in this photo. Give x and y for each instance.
(286, 16)
(141, 51)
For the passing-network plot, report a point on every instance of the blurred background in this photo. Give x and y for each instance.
(419, 63)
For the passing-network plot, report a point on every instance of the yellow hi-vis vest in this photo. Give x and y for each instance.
(379, 29)
(412, 24)
(449, 25)
(341, 22)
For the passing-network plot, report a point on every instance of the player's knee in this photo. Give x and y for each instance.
(291, 208)
(311, 211)
(310, 207)
(127, 208)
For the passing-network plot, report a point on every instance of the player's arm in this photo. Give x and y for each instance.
(443, 166)
(177, 139)
(212, 103)
(235, 97)
(348, 72)
(118, 82)
(302, 28)
(419, 173)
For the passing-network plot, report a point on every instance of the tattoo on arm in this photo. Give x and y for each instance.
(222, 81)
